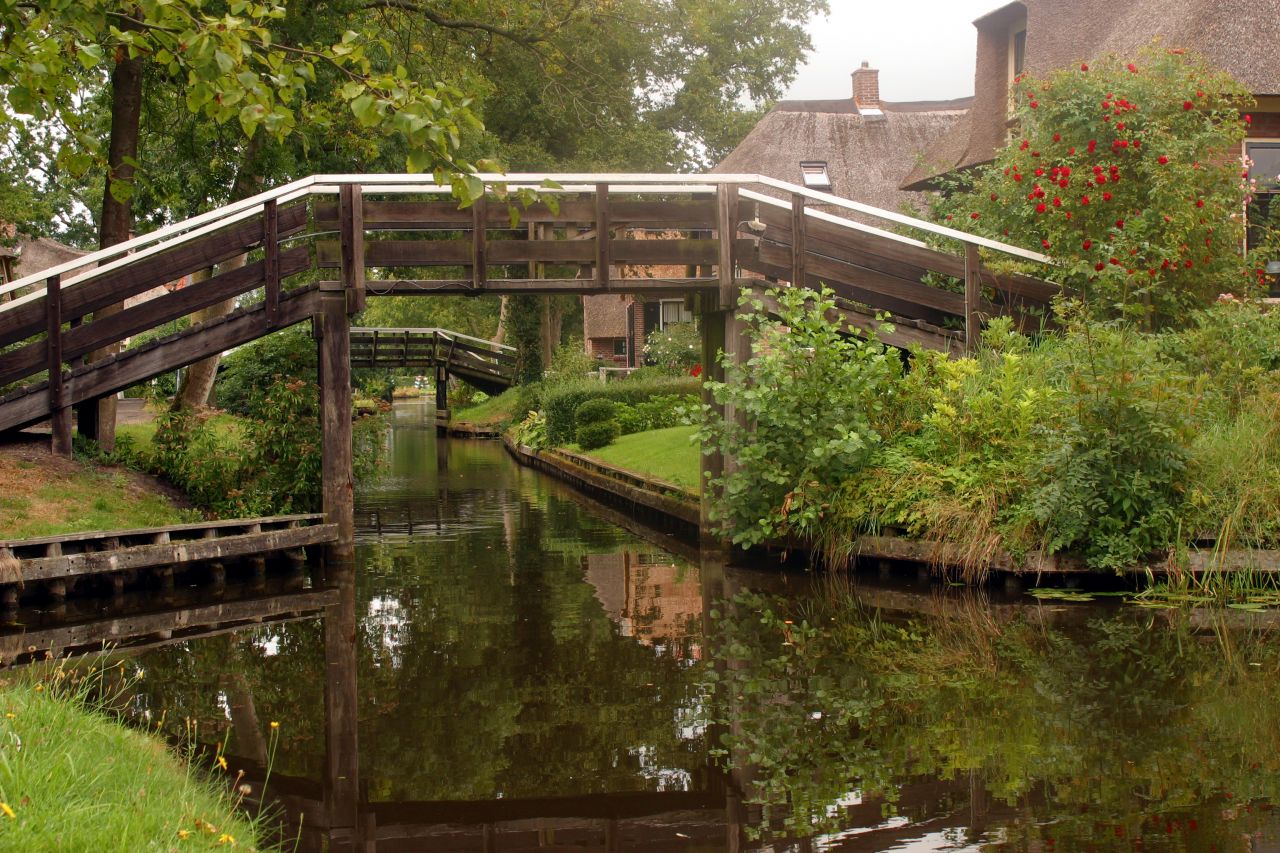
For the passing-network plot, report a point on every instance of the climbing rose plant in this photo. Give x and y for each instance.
(1128, 175)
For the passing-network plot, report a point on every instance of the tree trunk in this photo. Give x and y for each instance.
(197, 384)
(548, 343)
(116, 223)
(500, 336)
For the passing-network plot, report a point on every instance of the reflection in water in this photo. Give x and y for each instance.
(504, 669)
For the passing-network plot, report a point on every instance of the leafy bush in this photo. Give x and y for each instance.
(570, 363)
(1118, 173)
(247, 372)
(594, 411)
(806, 398)
(561, 402)
(596, 434)
(675, 349)
(532, 431)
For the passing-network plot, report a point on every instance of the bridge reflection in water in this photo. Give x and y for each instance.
(506, 670)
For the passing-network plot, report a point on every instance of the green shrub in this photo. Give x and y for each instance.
(674, 349)
(249, 370)
(596, 434)
(806, 397)
(595, 410)
(560, 403)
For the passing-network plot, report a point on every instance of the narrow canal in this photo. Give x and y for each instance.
(527, 674)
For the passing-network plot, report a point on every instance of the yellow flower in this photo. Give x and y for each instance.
(222, 762)
(8, 812)
(274, 724)
(184, 834)
(224, 838)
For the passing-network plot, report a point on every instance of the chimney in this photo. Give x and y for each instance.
(866, 88)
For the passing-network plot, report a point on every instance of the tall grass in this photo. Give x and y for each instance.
(74, 778)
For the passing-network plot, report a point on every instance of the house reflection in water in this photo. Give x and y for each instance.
(651, 598)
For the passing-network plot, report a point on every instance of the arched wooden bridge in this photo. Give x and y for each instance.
(312, 256)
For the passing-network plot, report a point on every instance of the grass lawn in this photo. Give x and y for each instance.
(42, 496)
(495, 411)
(668, 454)
(73, 779)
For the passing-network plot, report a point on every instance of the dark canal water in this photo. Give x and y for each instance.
(509, 669)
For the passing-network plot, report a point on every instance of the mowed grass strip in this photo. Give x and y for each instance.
(72, 778)
(41, 495)
(666, 454)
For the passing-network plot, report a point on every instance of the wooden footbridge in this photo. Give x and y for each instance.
(318, 248)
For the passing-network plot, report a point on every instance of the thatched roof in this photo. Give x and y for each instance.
(867, 156)
(1240, 39)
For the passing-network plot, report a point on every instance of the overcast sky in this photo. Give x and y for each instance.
(923, 48)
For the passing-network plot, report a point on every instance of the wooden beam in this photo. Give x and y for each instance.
(61, 426)
(177, 551)
(972, 298)
(603, 235)
(271, 247)
(798, 230)
(479, 259)
(337, 485)
(351, 240)
(726, 235)
(647, 286)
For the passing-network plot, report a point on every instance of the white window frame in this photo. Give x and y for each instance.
(662, 320)
(812, 178)
(1275, 193)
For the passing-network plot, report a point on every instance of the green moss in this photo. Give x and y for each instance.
(72, 778)
(667, 454)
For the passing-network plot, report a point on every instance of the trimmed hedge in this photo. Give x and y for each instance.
(598, 434)
(561, 404)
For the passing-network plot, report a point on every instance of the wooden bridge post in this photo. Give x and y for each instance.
(972, 298)
(722, 332)
(799, 228)
(351, 243)
(442, 388)
(337, 486)
(341, 706)
(61, 425)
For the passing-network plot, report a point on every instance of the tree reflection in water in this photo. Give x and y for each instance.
(1122, 725)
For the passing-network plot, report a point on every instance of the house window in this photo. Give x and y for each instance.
(815, 176)
(672, 312)
(1264, 167)
(620, 346)
(1017, 52)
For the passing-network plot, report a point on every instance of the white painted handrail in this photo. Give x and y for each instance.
(619, 182)
(417, 330)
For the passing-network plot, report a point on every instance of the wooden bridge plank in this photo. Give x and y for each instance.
(649, 286)
(151, 272)
(83, 536)
(695, 214)
(137, 365)
(87, 337)
(183, 551)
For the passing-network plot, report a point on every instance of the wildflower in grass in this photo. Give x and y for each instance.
(184, 834)
(274, 724)
(222, 762)
(8, 811)
(226, 838)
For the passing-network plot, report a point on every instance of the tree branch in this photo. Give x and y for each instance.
(524, 40)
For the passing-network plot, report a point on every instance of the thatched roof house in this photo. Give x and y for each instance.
(1040, 36)
(860, 147)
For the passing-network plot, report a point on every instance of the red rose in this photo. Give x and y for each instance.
(1162, 160)
(1115, 262)
(1087, 245)
(1084, 199)
(696, 370)
(1187, 105)
(1016, 176)
(995, 197)
(1120, 224)
(1034, 104)
(1248, 119)
(1133, 68)
(1084, 66)
(1044, 243)
(1119, 125)
(1040, 208)
(1039, 172)
(1057, 202)
(1199, 202)
(1101, 179)
(1057, 137)
(1063, 183)
(1093, 144)
(1106, 196)
(1099, 266)
(1071, 150)
(1024, 146)
(974, 215)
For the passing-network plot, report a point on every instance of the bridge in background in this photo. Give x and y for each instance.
(703, 237)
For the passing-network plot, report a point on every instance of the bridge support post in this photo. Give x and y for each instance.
(337, 487)
(442, 389)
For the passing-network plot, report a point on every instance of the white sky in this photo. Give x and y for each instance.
(923, 48)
